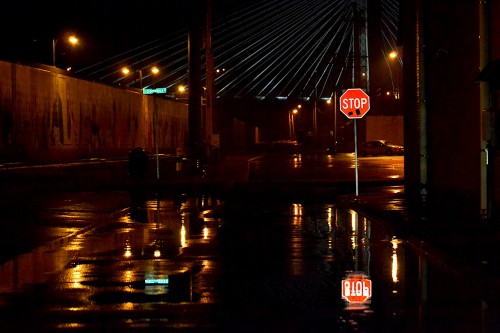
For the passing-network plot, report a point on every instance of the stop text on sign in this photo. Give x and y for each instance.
(354, 103)
(357, 288)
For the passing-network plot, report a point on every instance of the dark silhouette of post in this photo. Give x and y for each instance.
(210, 72)
(195, 86)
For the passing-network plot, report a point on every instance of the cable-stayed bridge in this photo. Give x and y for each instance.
(276, 49)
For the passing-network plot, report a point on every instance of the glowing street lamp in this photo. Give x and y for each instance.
(73, 40)
(393, 56)
(291, 122)
(126, 71)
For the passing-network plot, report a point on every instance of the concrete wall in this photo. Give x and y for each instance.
(447, 98)
(47, 115)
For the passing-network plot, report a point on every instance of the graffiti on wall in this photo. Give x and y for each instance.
(44, 113)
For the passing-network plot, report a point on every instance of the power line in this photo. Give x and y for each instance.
(268, 48)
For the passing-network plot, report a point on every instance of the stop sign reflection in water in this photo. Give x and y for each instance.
(356, 288)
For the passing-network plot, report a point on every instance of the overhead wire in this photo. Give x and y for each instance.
(267, 48)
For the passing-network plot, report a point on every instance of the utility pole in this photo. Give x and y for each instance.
(210, 77)
(485, 121)
(361, 69)
(195, 87)
(315, 109)
(420, 99)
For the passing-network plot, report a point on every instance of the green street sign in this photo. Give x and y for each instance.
(150, 91)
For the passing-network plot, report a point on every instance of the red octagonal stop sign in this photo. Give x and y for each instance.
(354, 103)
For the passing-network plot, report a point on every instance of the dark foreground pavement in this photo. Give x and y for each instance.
(466, 250)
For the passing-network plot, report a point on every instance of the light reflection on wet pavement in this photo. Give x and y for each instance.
(200, 263)
(330, 168)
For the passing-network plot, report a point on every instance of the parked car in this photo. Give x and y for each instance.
(381, 147)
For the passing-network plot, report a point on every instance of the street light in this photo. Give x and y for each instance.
(73, 40)
(394, 55)
(155, 71)
(126, 71)
(291, 122)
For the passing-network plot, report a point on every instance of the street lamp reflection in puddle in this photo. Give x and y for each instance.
(128, 251)
(183, 234)
(354, 229)
(76, 276)
(297, 161)
(395, 267)
(297, 210)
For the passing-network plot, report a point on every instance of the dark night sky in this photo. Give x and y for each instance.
(105, 27)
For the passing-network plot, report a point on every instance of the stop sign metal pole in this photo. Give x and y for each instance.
(154, 91)
(155, 120)
(355, 103)
(356, 156)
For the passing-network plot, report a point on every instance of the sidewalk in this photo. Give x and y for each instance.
(464, 248)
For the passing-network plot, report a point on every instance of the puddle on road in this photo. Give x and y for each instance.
(258, 253)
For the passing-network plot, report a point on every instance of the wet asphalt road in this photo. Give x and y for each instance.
(237, 261)
(188, 264)
(337, 168)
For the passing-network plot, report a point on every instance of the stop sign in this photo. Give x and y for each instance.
(354, 103)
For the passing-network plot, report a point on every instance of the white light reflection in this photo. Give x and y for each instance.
(330, 159)
(354, 227)
(329, 220)
(206, 232)
(128, 251)
(128, 276)
(183, 235)
(76, 276)
(297, 161)
(70, 325)
(297, 210)
(127, 306)
(395, 242)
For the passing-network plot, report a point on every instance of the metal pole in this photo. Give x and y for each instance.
(140, 78)
(315, 111)
(421, 106)
(356, 155)
(335, 117)
(210, 80)
(195, 87)
(54, 52)
(484, 101)
(155, 121)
